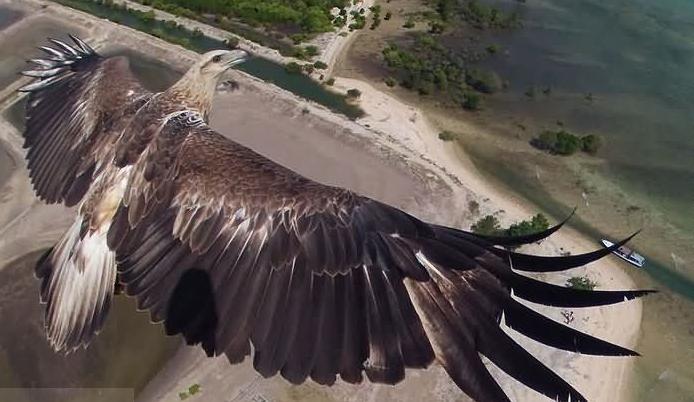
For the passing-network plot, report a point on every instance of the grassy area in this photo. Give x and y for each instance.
(195, 40)
(278, 24)
(299, 16)
(427, 67)
(169, 31)
(442, 57)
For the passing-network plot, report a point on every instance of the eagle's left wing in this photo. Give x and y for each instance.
(75, 112)
(234, 251)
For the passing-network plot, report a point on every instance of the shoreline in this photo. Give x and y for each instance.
(414, 145)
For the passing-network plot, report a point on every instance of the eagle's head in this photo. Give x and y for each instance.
(197, 87)
(212, 64)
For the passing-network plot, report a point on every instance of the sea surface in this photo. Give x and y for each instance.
(620, 69)
(623, 70)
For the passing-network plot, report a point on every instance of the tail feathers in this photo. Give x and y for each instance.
(78, 277)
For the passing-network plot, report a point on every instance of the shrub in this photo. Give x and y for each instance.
(330, 81)
(409, 23)
(194, 389)
(353, 93)
(591, 143)
(232, 42)
(298, 37)
(483, 80)
(558, 142)
(390, 81)
(312, 50)
(299, 53)
(293, 68)
(388, 15)
(536, 224)
(447, 135)
(320, 65)
(487, 226)
(581, 283)
(471, 100)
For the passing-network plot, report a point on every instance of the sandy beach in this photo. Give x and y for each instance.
(392, 154)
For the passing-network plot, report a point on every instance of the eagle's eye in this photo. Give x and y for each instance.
(217, 59)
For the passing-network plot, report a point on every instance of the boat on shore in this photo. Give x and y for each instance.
(627, 254)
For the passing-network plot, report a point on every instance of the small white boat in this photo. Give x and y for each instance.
(627, 254)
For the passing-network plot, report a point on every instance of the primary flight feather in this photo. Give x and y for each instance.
(244, 256)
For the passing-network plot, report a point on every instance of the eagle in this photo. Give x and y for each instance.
(245, 257)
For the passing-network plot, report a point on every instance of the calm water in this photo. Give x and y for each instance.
(636, 60)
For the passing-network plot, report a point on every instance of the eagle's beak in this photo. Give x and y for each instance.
(234, 57)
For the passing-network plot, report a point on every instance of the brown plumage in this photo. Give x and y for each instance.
(231, 250)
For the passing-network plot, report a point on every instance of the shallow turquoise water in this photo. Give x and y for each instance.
(636, 59)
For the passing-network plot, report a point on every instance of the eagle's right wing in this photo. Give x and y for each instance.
(230, 250)
(74, 113)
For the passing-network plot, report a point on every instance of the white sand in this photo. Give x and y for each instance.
(398, 159)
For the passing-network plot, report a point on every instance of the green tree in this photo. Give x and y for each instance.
(487, 226)
(581, 283)
(536, 224)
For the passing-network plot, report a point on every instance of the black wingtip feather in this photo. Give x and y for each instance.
(517, 362)
(537, 263)
(560, 296)
(549, 332)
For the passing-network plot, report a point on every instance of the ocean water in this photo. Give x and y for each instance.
(623, 70)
